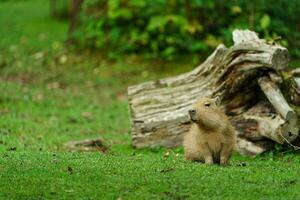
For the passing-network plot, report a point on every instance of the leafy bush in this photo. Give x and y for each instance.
(60, 9)
(165, 28)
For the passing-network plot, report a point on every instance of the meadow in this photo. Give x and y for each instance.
(51, 95)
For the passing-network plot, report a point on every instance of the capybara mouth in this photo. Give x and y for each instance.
(193, 119)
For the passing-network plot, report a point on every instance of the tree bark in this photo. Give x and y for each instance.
(75, 10)
(53, 8)
(246, 77)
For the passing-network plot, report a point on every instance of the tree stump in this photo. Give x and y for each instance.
(247, 78)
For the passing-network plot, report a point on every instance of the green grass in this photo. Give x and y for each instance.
(143, 175)
(50, 96)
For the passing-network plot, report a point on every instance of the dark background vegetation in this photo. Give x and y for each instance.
(168, 28)
(65, 66)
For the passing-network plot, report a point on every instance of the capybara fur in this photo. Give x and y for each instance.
(211, 138)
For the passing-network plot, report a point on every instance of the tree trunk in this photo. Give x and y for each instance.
(74, 13)
(247, 79)
(53, 8)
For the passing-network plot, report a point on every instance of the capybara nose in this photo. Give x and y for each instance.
(192, 111)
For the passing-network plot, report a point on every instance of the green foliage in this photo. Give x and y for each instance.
(61, 9)
(164, 28)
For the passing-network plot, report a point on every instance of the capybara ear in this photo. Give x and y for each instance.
(217, 100)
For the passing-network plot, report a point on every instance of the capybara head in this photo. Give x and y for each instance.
(206, 113)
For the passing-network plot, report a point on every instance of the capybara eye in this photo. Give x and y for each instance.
(207, 104)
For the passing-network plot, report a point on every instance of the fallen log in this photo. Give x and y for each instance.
(288, 128)
(246, 78)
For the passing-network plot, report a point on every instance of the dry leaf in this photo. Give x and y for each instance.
(167, 154)
(54, 85)
(87, 115)
(63, 59)
(38, 55)
(38, 97)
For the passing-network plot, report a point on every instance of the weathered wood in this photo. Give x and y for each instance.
(249, 148)
(258, 122)
(297, 80)
(159, 108)
(296, 72)
(288, 129)
(292, 84)
(275, 96)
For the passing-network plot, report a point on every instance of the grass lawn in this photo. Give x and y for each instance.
(50, 96)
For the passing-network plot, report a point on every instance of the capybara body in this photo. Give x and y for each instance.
(211, 138)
